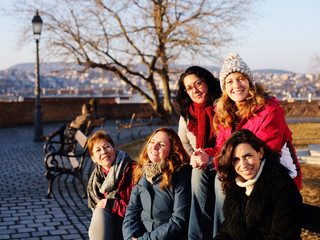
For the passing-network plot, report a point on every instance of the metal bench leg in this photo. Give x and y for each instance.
(84, 195)
(50, 187)
(131, 133)
(118, 128)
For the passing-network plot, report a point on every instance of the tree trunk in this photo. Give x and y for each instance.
(170, 118)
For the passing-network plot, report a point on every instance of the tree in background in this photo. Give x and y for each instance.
(315, 63)
(120, 36)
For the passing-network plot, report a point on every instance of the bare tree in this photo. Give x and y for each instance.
(315, 62)
(116, 35)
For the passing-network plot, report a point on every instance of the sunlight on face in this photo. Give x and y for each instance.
(246, 161)
(159, 147)
(237, 86)
(196, 88)
(103, 153)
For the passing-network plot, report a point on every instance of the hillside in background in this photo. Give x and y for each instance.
(59, 66)
(58, 79)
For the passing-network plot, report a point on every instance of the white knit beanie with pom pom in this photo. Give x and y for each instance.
(234, 63)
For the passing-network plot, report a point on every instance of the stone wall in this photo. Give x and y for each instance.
(301, 108)
(62, 110)
(65, 109)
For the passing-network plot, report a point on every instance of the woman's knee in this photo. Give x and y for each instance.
(104, 225)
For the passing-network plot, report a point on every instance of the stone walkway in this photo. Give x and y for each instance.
(25, 212)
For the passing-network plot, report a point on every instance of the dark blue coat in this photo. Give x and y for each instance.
(153, 213)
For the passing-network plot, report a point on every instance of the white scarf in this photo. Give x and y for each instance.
(249, 184)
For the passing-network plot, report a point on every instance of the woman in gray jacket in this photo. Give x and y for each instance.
(159, 204)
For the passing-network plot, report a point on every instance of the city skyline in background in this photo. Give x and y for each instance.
(18, 83)
(283, 35)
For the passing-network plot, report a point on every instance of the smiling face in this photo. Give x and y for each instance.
(246, 161)
(237, 87)
(159, 147)
(103, 153)
(196, 88)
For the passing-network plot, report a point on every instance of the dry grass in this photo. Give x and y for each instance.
(310, 192)
(134, 148)
(303, 134)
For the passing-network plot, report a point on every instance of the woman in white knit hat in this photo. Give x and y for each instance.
(245, 104)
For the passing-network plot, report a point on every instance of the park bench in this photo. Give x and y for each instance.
(58, 162)
(138, 120)
(92, 124)
(311, 217)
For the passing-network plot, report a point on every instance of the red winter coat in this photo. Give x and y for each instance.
(270, 126)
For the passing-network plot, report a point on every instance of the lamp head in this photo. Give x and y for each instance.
(36, 25)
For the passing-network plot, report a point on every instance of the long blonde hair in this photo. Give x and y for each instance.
(176, 158)
(228, 112)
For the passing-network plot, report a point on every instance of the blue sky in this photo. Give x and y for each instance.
(285, 35)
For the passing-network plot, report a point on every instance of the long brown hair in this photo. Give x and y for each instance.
(228, 112)
(176, 158)
(227, 173)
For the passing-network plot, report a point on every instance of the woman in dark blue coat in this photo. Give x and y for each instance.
(159, 204)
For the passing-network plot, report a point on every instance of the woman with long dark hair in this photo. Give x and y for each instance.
(262, 201)
(198, 90)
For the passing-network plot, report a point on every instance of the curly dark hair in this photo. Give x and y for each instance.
(227, 173)
(183, 99)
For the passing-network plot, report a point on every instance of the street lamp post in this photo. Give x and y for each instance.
(38, 127)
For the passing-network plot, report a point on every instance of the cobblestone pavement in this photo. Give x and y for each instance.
(25, 212)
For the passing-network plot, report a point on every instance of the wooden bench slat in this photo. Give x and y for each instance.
(63, 163)
(81, 138)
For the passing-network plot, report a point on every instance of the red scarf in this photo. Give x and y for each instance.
(201, 123)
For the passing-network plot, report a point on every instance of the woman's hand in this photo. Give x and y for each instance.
(102, 203)
(134, 238)
(199, 159)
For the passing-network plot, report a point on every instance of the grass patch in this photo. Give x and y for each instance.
(134, 148)
(304, 134)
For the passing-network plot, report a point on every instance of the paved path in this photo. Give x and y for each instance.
(25, 212)
(302, 119)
